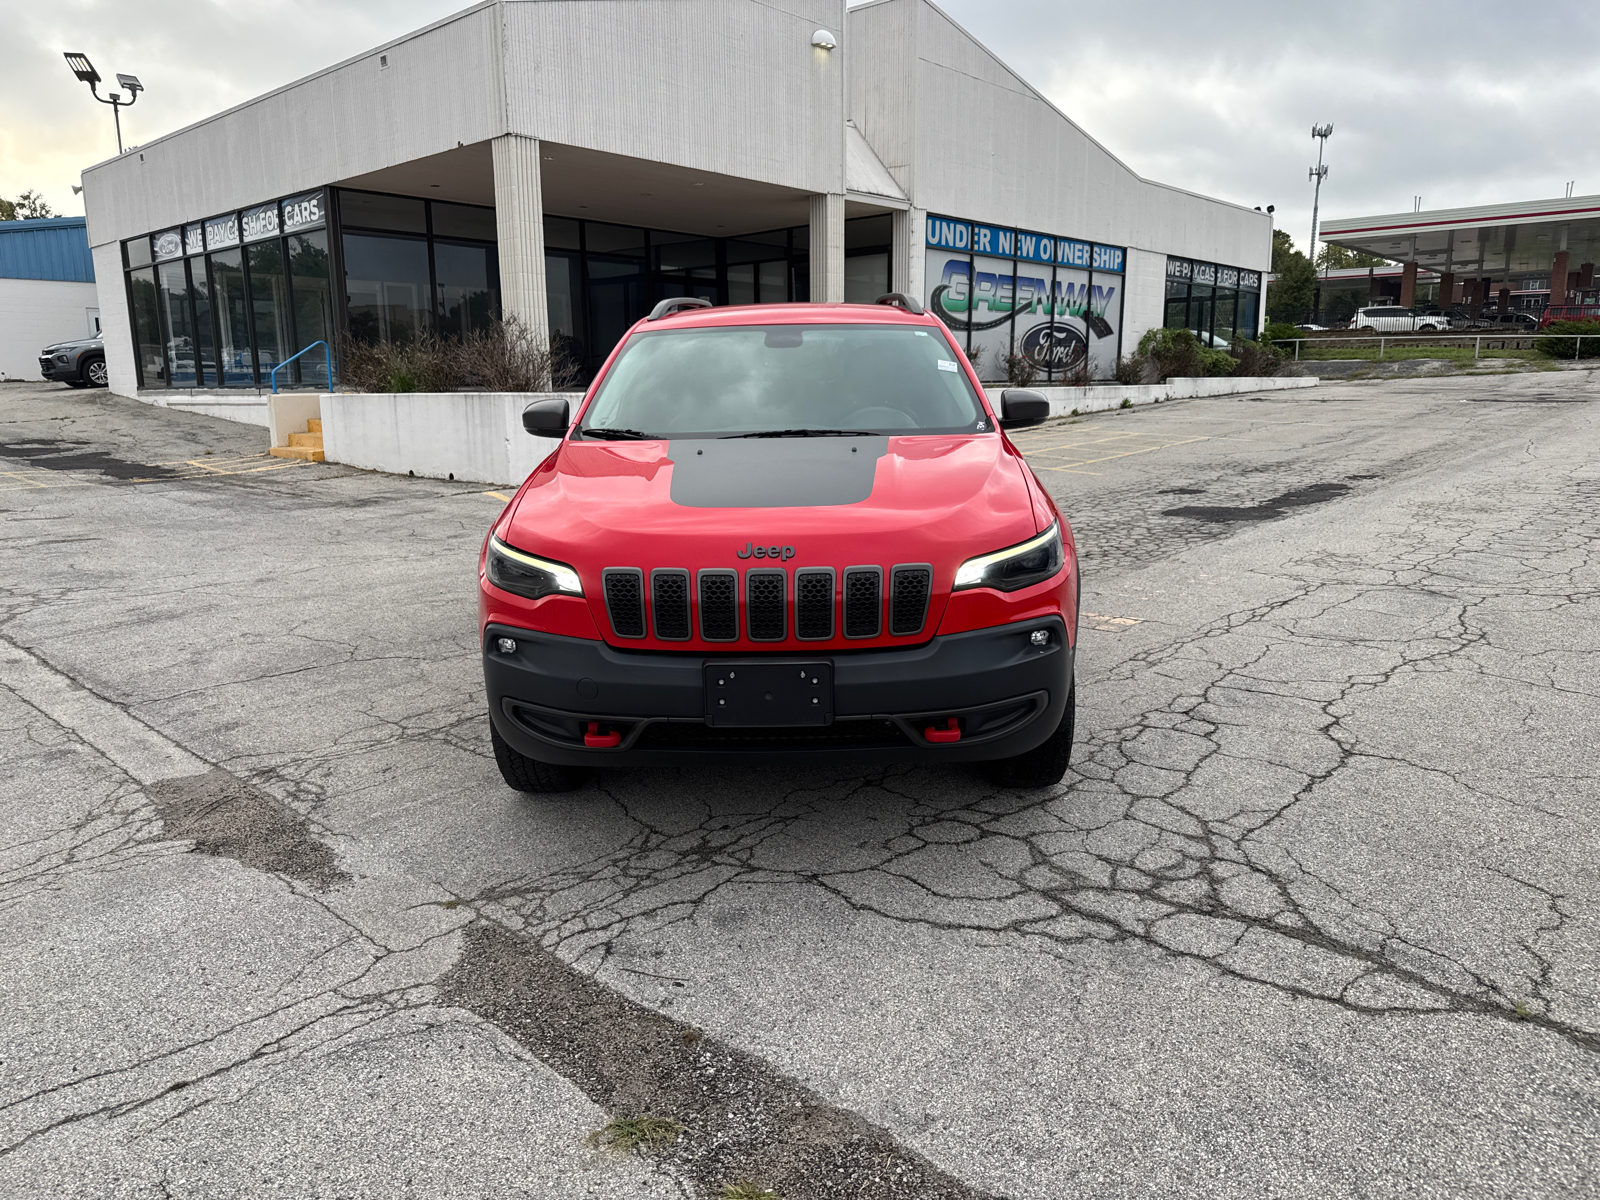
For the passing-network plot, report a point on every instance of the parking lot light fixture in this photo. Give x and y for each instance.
(85, 72)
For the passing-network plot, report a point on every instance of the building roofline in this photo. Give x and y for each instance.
(1045, 100)
(294, 83)
(1390, 224)
(26, 224)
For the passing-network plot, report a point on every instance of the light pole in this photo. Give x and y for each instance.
(84, 70)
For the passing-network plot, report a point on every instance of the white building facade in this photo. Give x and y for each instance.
(571, 162)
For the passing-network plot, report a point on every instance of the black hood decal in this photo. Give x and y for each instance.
(803, 472)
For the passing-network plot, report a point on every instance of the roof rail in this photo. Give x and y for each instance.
(900, 300)
(672, 304)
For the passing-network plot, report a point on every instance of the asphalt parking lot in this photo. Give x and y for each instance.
(1317, 912)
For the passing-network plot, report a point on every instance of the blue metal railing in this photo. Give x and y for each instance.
(296, 355)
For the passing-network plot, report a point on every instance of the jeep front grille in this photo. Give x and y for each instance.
(625, 600)
(764, 605)
(824, 606)
(909, 590)
(813, 604)
(669, 604)
(719, 605)
(863, 602)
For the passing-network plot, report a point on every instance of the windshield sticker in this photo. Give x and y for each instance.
(946, 365)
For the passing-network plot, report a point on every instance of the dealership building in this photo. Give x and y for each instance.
(572, 162)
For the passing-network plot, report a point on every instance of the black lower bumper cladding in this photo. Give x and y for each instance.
(578, 702)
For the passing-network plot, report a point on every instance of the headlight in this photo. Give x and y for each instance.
(524, 575)
(1023, 565)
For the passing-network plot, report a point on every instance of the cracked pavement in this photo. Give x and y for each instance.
(1316, 908)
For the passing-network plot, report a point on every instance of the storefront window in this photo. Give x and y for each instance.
(1223, 323)
(233, 318)
(179, 347)
(269, 306)
(204, 324)
(145, 302)
(386, 283)
(313, 307)
(465, 277)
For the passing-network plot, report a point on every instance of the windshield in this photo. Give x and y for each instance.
(785, 380)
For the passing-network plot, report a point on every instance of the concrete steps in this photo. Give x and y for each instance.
(307, 446)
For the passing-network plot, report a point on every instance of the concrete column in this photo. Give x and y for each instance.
(1374, 291)
(1558, 278)
(1447, 289)
(519, 226)
(908, 257)
(1408, 285)
(1503, 299)
(827, 248)
(1586, 276)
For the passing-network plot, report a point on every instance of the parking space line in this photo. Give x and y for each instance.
(499, 496)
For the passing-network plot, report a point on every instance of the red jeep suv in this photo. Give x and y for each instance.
(790, 531)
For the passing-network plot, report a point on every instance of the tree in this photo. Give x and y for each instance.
(26, 207)
(1289, 295)
(1334, 257)
(1282, 248)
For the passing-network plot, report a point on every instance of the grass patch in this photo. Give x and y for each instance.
(1126, 403)
(745, 1190)
(1454, 354)
(650, 1134)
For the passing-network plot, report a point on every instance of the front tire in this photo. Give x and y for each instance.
(1045, 764)
(525, 774)
(94, 373)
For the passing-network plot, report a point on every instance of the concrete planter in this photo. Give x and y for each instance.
(472, 436)
(1099, 397)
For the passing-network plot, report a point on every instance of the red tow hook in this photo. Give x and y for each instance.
(950, 733)
(596, 740)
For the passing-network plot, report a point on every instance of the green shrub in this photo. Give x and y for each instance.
(1217, 362)
(1568, 347)
(1130, 369)
(1279, 329)
(1175, 352)
(1256, 359)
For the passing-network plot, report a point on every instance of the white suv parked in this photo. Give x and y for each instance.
(1397, 320)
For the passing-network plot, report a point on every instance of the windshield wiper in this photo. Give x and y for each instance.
(777, 433)
(619, 435)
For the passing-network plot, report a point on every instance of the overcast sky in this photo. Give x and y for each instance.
(1463, 103)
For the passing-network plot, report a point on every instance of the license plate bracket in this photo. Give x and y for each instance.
(767, 694)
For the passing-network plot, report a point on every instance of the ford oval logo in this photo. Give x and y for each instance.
(1054, 346)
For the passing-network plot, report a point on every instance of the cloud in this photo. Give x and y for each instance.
(195, 58)
(1474, 103)
(1467, 103)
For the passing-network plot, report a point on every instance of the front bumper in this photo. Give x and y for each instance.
(1006, 695)
(68, 372)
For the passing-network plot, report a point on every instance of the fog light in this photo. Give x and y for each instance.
(1039, 637)
(508, 646)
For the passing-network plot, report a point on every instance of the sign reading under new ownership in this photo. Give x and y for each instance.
(944, 233)
(1053, 302)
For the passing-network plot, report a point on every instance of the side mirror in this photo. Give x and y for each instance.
(1022, 406)
(547, 418)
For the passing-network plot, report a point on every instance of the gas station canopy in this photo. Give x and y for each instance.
(1491, 241)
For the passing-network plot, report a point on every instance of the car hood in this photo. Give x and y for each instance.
(831, 502)
(77, 343)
